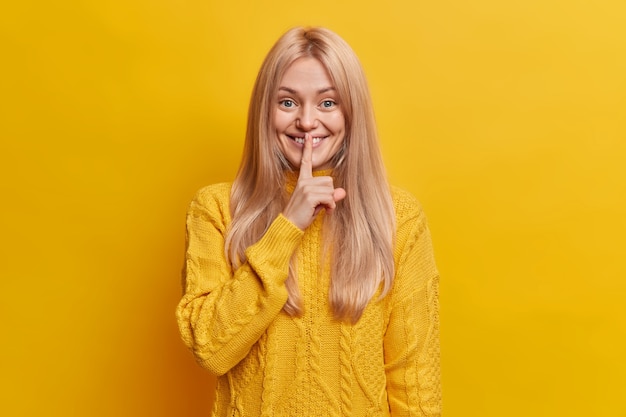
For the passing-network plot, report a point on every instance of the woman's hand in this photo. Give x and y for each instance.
(311, 193)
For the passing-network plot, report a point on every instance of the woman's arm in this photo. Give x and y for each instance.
(224, 312)
(412, 339)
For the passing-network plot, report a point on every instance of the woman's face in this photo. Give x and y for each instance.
(307, 102)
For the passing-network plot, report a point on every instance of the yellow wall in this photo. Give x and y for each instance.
(506, 118)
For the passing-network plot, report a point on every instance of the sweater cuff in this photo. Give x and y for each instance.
(275, 248)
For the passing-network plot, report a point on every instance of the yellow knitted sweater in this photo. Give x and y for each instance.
(271, 364)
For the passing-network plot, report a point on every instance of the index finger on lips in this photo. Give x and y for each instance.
(306, 163)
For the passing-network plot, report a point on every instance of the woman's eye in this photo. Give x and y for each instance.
(287, 103)
(327, 104)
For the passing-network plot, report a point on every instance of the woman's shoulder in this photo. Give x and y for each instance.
(212, 197)
(406, 205)
(217, 191)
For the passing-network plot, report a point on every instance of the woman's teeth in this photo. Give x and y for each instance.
(301, 140)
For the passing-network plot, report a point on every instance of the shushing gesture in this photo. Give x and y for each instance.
(311, 194)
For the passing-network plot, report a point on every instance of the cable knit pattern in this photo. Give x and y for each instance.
(271, 364)
(345, 370)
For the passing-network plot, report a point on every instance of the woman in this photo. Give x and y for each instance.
(310, 284)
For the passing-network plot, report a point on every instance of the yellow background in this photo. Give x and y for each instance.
(506, 119)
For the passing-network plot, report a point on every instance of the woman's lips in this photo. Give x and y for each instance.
(300, 140)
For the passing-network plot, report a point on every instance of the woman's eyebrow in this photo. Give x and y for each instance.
(287, 89)
(325, 90)
(292, 91)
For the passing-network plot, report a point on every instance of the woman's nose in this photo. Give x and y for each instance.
(307, 118)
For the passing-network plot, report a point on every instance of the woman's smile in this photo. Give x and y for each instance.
(300, 139)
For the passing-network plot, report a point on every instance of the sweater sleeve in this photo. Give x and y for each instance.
(223, 313)
(411, 341)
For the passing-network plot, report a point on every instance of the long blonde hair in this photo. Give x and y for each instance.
(363, 224)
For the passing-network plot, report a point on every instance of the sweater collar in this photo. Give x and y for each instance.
(291, 177)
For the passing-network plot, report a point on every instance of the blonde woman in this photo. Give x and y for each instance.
(310, 284)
